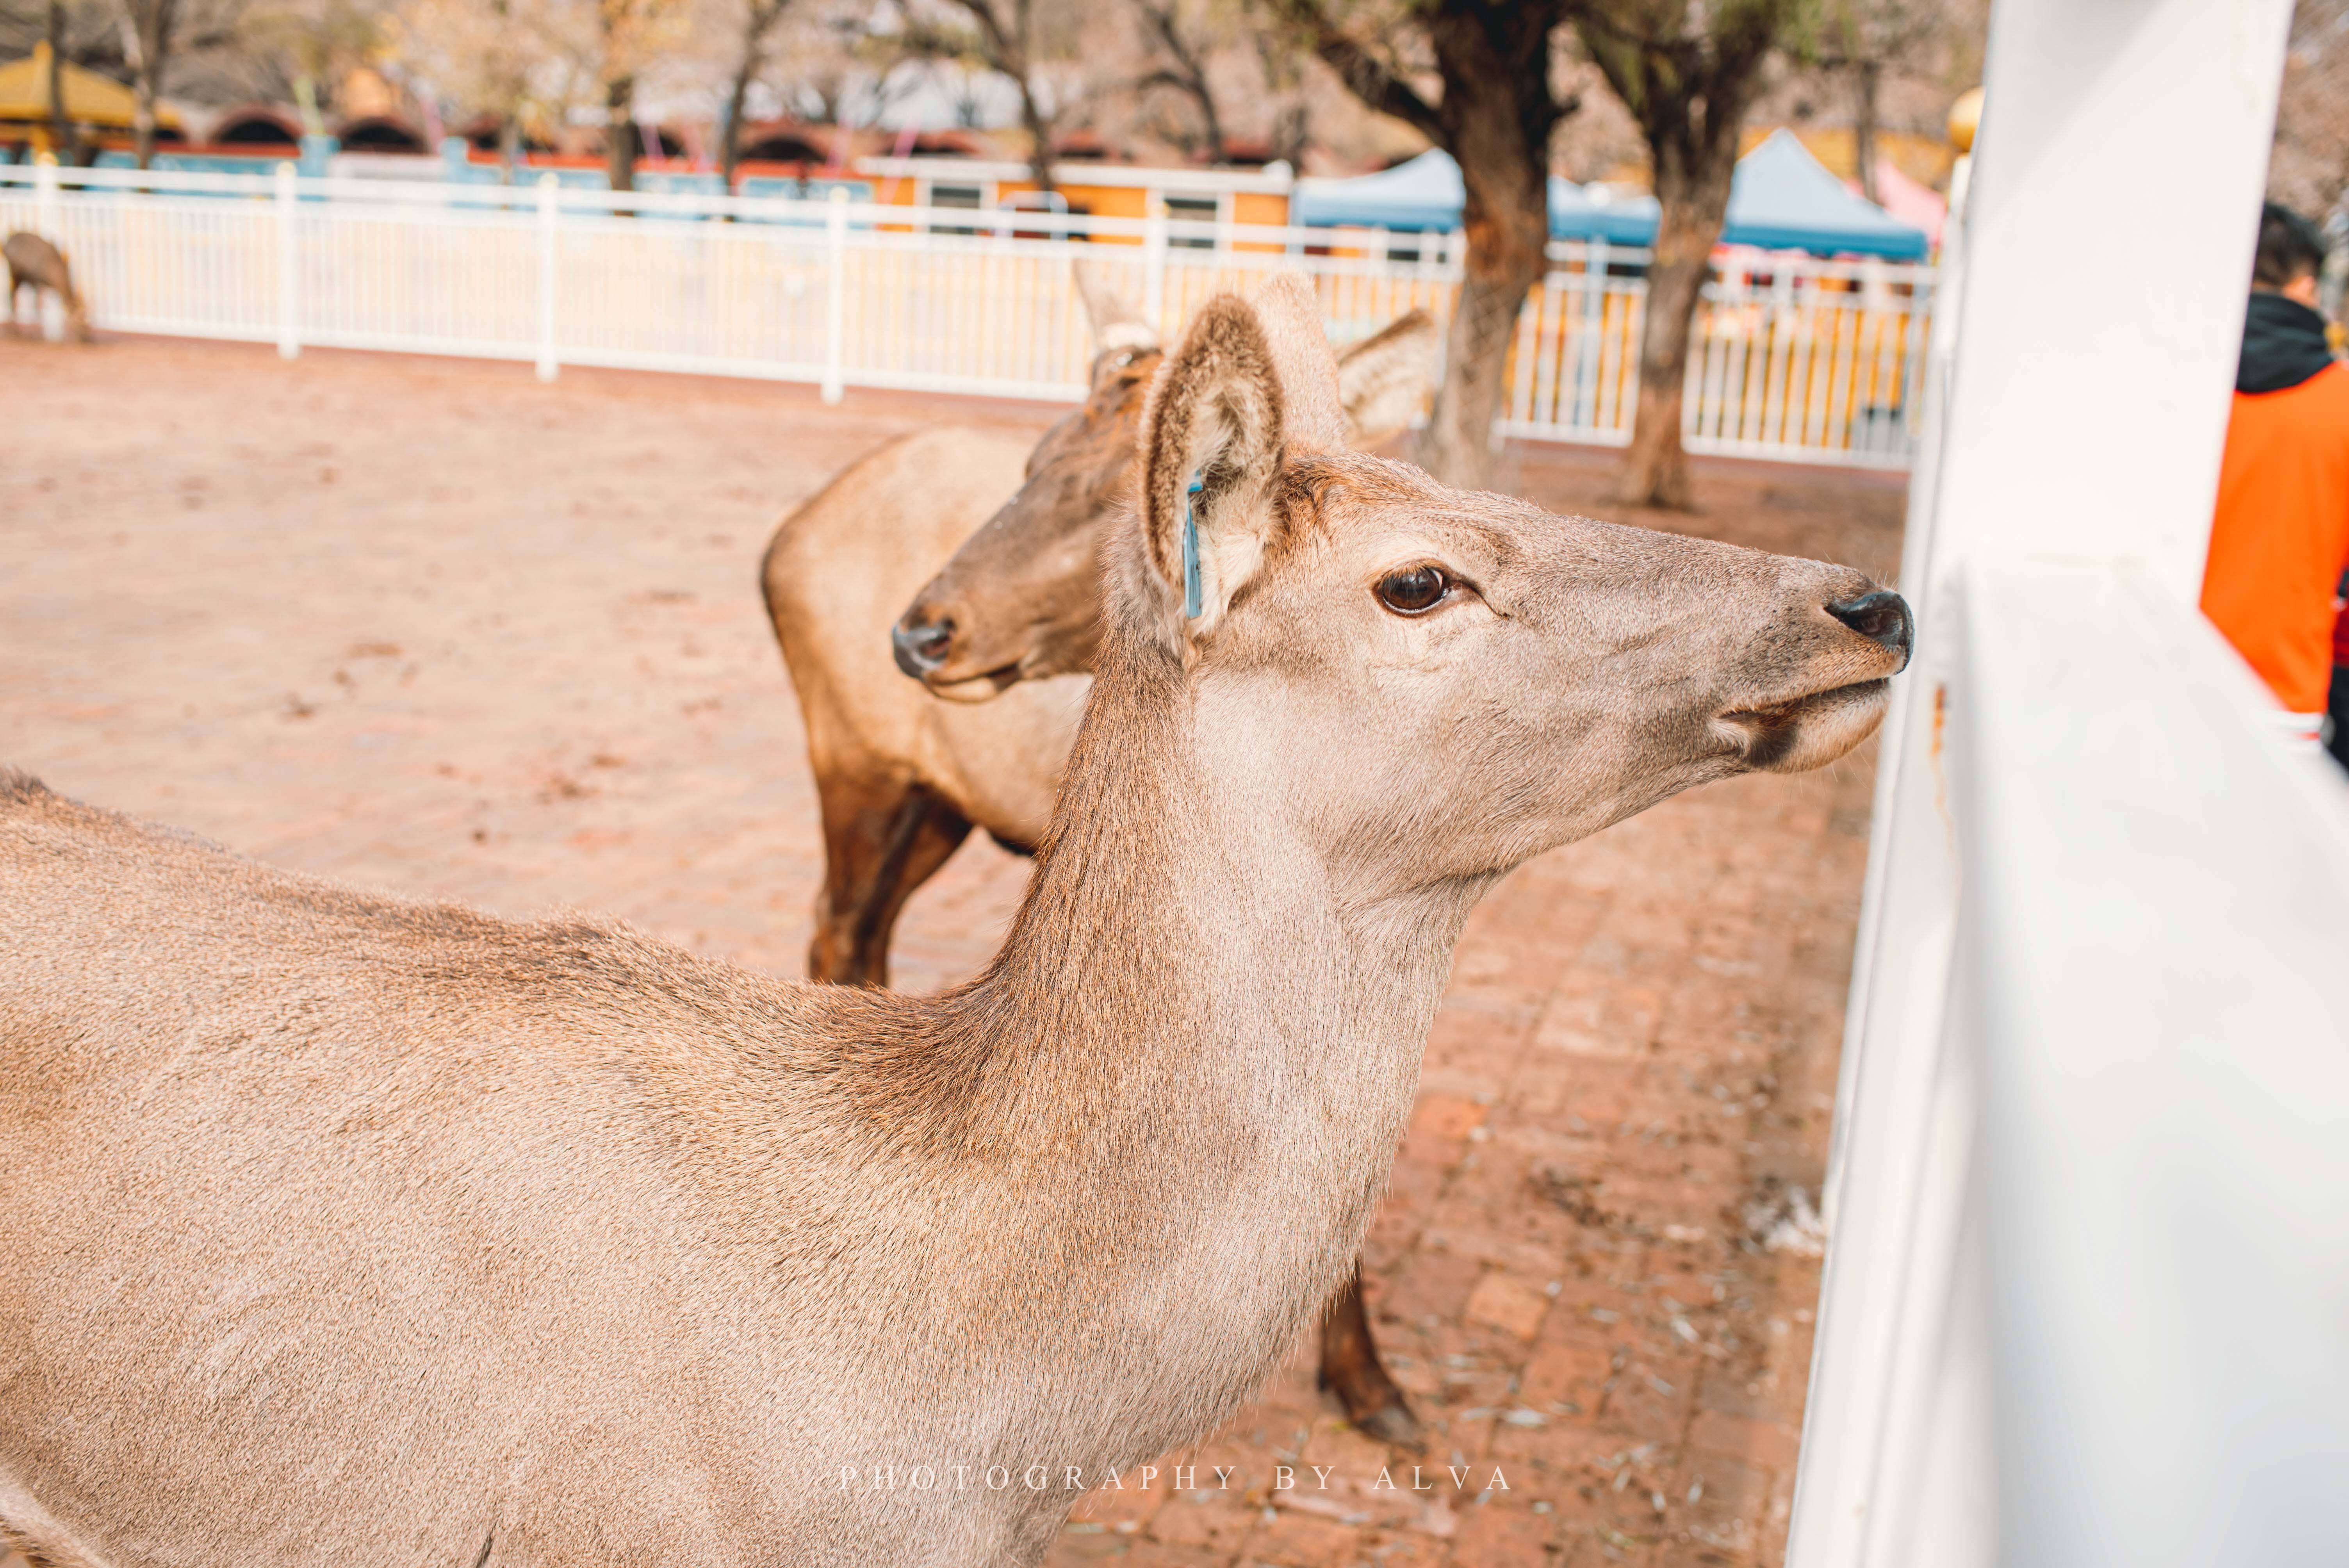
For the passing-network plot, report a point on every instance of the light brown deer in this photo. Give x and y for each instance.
(901, 780)
(337, 1229)
(34, 264)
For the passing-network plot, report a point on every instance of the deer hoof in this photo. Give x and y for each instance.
(1375, 1406)
(1394, 1425)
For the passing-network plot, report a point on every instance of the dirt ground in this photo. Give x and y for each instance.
(431, 626)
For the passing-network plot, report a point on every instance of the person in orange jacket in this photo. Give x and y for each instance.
(2280, 536)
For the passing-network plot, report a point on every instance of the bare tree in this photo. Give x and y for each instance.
(61, 123)
(507, 73)
(630, 36)
(1182, 68)
(1687, 70)
(620, 141)
(1284, 84)
(831, 66)
(154, 33)
(511, 61)
(147, 30)
(757, 22)
(1494, 114)
(1867, 41)
(1011, 38)
(313, 44)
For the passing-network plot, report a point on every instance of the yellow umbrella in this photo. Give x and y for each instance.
(90, 99)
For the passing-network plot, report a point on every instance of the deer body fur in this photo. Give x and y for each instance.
(338, 1229)
(343, 1230)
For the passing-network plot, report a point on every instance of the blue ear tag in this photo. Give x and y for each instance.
(1191, 553)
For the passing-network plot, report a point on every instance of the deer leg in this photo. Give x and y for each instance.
(931, 840)
(1350, 1369)
(882, 840)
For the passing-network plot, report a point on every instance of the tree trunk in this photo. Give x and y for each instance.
(1869, 76)
(1189, 75)
(1041, 130)
(146, 46)
(1505, 257)
(729, 141)
(509, 146)
(620, 133)
(1498, 130)
(1217, 156)
(1292, 128)
(142, 117)
(61, 125)
(1693, 189)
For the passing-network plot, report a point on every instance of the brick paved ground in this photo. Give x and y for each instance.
(429, 626)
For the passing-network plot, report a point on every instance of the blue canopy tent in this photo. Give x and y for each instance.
(1596, 213)
(1782, 199)
(1422, 193)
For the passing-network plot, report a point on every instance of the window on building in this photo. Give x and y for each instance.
(971, 196)
(1192, 210)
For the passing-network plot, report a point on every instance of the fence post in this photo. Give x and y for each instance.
(549, 213)
(289, 304)
(45, 198)
(1154, 264)
(46, 216)
(836, 305)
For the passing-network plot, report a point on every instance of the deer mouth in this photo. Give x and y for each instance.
(1807, 731)
(982, 687)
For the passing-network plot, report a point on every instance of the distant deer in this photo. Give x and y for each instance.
(34, 264)
(337, 1229)
(901, 778)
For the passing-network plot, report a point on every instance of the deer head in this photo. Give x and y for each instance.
(1024, 592)
(1432, 684)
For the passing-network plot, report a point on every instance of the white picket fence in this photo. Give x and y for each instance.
(1794, 358)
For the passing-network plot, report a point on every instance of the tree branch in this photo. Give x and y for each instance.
(1189, 75)
(1009, 50)
(1366, 76)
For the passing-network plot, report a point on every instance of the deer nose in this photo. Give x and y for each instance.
(1883, 618)
(921, 649)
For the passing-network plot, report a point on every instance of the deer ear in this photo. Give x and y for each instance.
(1252, 379)
(1115, 322)
(1382, 379)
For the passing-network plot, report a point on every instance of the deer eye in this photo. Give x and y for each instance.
(1414, 592)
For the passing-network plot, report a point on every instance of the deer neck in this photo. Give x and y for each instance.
(1191, 1006)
